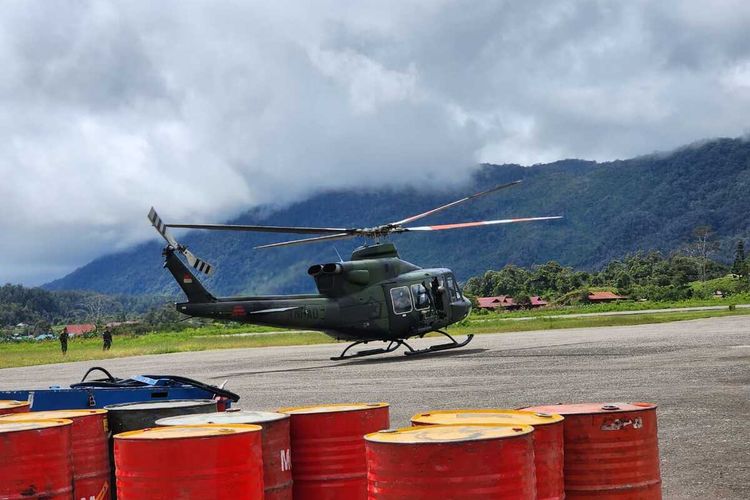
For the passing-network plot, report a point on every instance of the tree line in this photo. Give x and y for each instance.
(39, 308)
(642, 275)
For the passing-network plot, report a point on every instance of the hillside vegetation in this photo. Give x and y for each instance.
(641, 276)
(611, 210)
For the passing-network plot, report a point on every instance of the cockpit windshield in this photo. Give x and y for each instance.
(452, 287)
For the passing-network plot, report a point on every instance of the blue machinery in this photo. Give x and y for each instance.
(110, 390)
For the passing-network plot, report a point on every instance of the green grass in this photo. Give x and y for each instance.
(626, 305)
(230, 336)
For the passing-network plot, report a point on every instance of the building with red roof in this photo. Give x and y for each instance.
(74, 330)
(508, 303)
(604, 297)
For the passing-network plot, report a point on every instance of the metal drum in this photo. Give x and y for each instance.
(90, 448)
(134, 416)
(192, 461)
(125, 417)
(611, 450)
(12, 406)
(547, 438)
(328, 448)
(277, 461)
(451, 462)
(35, 460)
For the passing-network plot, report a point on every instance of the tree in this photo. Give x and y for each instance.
(703, 246)
(739, 267)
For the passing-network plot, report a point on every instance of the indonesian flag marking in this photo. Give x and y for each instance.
(187, 279)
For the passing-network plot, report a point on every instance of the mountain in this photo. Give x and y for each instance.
(611, 209)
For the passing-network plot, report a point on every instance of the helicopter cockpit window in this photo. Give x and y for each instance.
(401, 299)
(421, 299)
(452, 287)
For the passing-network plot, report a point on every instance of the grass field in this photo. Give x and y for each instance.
(244, 336)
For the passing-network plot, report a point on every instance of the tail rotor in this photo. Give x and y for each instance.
(195, 261)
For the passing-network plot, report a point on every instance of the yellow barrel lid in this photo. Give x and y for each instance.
(592, 408)
(330, 408)
(188, 431)
(37, 415)
(6, 404)
(28, 425)
(485, 416)
(448, 433)
(224, 417)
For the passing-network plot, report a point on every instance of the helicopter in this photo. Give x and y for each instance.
(373, 297)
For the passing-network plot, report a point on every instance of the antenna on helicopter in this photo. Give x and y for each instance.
(337, 253)
(198, 263)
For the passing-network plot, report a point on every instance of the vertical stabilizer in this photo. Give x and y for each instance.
(193, 288)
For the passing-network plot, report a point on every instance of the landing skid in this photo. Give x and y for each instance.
(395, 344)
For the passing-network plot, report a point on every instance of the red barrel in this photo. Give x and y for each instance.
(12, 406)
(35, 460)
(277, 461)
(90, 448)
(611, 450)
(191, 461)
(451, 462)
(328, 448)
(547, 439)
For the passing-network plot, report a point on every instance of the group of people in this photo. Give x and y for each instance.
(106, 339)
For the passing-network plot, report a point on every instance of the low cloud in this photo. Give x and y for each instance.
(206, 109)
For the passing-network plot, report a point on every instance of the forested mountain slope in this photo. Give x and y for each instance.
(611, 209)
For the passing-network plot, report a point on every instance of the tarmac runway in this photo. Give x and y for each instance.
(697, 371)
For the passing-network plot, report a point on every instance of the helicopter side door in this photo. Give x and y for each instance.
(401, 309)
(411, 308)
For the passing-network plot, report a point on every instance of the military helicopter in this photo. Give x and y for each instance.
(374, 297)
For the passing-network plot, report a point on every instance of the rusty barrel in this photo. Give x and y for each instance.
(547, 439)
(90, 448)
(12, 406)
(328, 448)
(611, 450)
(451, 462)
(190, 461)
(36, 460)
(277, 464)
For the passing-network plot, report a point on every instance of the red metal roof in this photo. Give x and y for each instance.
(594, 296)
(80, 329)
(537, 301)
(493, 302)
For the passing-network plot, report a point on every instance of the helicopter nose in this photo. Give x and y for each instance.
(460, 309)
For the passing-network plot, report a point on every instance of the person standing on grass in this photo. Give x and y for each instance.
(64, 340)
(107, 338)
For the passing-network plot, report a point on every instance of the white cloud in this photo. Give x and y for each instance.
(205, 109)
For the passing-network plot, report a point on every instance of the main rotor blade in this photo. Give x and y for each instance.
(460, 225)
(340, 236)
(267, 229)
(454, 203)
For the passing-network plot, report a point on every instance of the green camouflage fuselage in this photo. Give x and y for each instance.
(374, 296)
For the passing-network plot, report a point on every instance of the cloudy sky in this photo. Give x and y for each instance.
(205, 109)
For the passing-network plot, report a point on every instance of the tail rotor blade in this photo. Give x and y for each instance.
(198, 263)
(161, 228)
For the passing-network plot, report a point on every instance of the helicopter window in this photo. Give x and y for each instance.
(421, 299)
(401, 300)
(452, 288)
